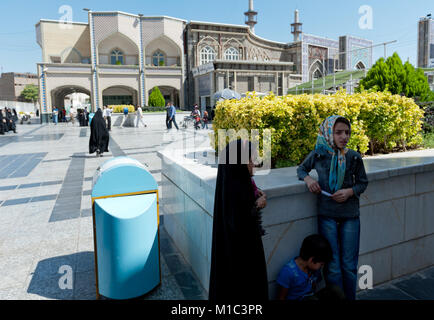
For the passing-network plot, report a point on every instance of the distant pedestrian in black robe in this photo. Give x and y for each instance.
(99, 136)
(238, 266)
(3, 125)
(10, 121)
(86, 117)
(15, 115)
(81, 117)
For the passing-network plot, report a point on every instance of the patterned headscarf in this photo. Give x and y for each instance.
(325, 144)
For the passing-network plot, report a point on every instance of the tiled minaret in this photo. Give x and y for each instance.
(251, 17)
(296, 27)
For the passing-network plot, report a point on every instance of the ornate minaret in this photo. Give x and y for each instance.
(251, 17)
(296, 27)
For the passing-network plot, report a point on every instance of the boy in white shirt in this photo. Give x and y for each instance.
(139, 117)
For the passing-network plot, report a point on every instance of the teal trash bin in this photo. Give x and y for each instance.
(126, 237)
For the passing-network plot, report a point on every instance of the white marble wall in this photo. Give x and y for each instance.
(397, 219)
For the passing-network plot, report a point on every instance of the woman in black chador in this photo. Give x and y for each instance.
(238, 267)
(99, 136)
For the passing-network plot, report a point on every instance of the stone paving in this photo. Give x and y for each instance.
(45, 215)
(45, 210)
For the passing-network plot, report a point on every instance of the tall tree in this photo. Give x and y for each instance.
(398, 78)
(30, 93)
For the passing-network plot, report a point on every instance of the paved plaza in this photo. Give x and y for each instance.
(45, 214)
(46, 221)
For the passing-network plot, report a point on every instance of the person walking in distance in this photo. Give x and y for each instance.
(108, 111)
(72, 115)
(125, 117)
(167, 115)
(139, 117)
(172, 114)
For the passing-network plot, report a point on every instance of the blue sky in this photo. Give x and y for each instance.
(392, 20)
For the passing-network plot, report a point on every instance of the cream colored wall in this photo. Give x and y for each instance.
(56, 40)
(118, 41)
(167, 46)
(54, 81)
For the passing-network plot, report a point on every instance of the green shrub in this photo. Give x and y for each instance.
(380, 121)
(156, 99)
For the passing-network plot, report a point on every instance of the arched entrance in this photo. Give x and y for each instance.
(66, 96)
(360, 66)
(169, 94)
(316, 70)
(119, 95)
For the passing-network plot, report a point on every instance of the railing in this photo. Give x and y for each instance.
(330, 83)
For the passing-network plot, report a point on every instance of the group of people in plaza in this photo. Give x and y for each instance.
(82, 115)
(238, 265)
(199, 119)
(8, 117)
(138, 118)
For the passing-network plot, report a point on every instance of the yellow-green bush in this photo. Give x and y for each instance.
(120, 108)
(379, 120)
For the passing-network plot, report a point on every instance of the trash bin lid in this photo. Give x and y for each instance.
(127, 207)
(122, 175)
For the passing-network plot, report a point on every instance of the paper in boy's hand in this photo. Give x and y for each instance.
(326, 193)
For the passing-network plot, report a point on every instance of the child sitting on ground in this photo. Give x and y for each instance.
(299, 278)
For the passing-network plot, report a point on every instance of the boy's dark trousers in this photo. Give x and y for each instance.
(168, 124)
(109, 123)
(330, 293)
(174, 121)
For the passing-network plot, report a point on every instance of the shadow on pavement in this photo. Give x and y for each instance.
(67, 277)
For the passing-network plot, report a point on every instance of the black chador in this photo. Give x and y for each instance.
(10, 121)
(3, 125)
(99, 136)
(81, 118)
(238, 266)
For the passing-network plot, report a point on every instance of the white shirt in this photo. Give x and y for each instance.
(139, 112)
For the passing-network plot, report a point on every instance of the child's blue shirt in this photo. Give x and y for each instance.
(298, 282)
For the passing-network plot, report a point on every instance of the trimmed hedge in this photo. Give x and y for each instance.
(380, 121)
(120, 108)
(132, 109)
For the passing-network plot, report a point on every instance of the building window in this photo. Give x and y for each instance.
(117, 57)
(55, 59)
(207, 54)
(158, 58)
(232, 54)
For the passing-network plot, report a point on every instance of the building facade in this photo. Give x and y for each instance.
(118, 58)
(12, 84)
(425, 43)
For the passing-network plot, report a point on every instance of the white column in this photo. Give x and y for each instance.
(212, 88)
